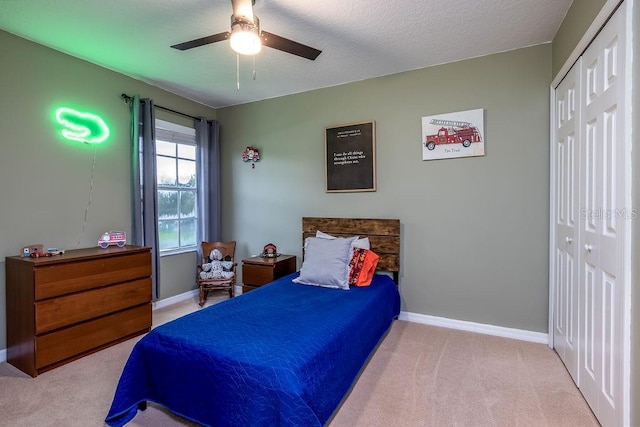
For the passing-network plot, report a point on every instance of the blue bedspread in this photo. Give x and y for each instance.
(284, 354)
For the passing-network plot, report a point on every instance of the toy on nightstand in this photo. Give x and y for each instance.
(109, 238)
(270, 251)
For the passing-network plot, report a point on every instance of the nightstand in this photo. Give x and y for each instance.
(258, 271)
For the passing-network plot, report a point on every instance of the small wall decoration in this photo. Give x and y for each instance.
(350, 158)
(452, 135)
(82, 126)
(251, 154)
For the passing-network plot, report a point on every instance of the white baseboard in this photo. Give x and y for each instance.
(480, 328)
(175, 299)
(463, 325)
(182, 297)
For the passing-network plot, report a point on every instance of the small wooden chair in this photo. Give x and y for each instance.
(228, 251)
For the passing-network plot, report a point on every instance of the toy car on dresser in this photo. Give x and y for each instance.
(109, 238)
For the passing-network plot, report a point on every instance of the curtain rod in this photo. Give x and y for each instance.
(128, 98)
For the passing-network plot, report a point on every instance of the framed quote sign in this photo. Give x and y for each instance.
(350, 157)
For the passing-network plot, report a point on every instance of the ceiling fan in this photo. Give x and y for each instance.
(246, 37)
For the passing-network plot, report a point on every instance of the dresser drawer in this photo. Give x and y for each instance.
(76, 340)
(256, 274)
(90, 304)
(61, 279)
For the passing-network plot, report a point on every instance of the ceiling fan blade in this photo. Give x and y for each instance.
(202, 41)
(276, 42)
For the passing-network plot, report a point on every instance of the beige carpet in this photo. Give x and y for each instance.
(419, 376)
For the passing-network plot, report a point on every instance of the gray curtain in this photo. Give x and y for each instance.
(209, 201)
(144, 225)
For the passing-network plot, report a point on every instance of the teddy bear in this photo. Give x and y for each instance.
(217, 268)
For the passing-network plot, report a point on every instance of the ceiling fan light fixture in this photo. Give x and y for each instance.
(245, 36)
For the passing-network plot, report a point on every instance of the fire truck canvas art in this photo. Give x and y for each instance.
(451, 135)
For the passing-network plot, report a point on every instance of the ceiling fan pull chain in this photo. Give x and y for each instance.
(254, 67)
(238, 70)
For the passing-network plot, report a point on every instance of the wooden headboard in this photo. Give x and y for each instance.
(384, 235)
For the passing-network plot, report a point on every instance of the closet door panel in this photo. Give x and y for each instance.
(602, 195)
(566, 318)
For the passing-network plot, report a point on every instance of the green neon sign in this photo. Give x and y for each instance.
(83, 127)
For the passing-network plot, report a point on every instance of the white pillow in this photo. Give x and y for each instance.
(324, 235)
(361, 243)
(326, 262)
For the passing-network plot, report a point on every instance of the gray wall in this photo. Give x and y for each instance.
(474, 230)
(578, 19)
(45, 180)
(178, 274)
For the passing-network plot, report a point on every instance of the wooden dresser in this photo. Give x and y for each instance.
(64, 307)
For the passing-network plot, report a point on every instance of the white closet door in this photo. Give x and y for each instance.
(565, 317)
(602, 196)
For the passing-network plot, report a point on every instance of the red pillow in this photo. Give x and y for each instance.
(362, 267)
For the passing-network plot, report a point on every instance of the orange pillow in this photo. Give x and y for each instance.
(362, 267)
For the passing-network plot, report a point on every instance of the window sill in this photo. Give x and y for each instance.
(180, 251)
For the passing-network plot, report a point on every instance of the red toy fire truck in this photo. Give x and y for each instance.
(109, 238)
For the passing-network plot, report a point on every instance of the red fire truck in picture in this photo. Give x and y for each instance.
(452, 132)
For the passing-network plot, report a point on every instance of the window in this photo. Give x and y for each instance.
(177, 188)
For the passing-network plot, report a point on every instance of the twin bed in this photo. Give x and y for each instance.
(284, 354)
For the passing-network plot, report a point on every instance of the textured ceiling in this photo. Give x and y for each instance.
(359, 39)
